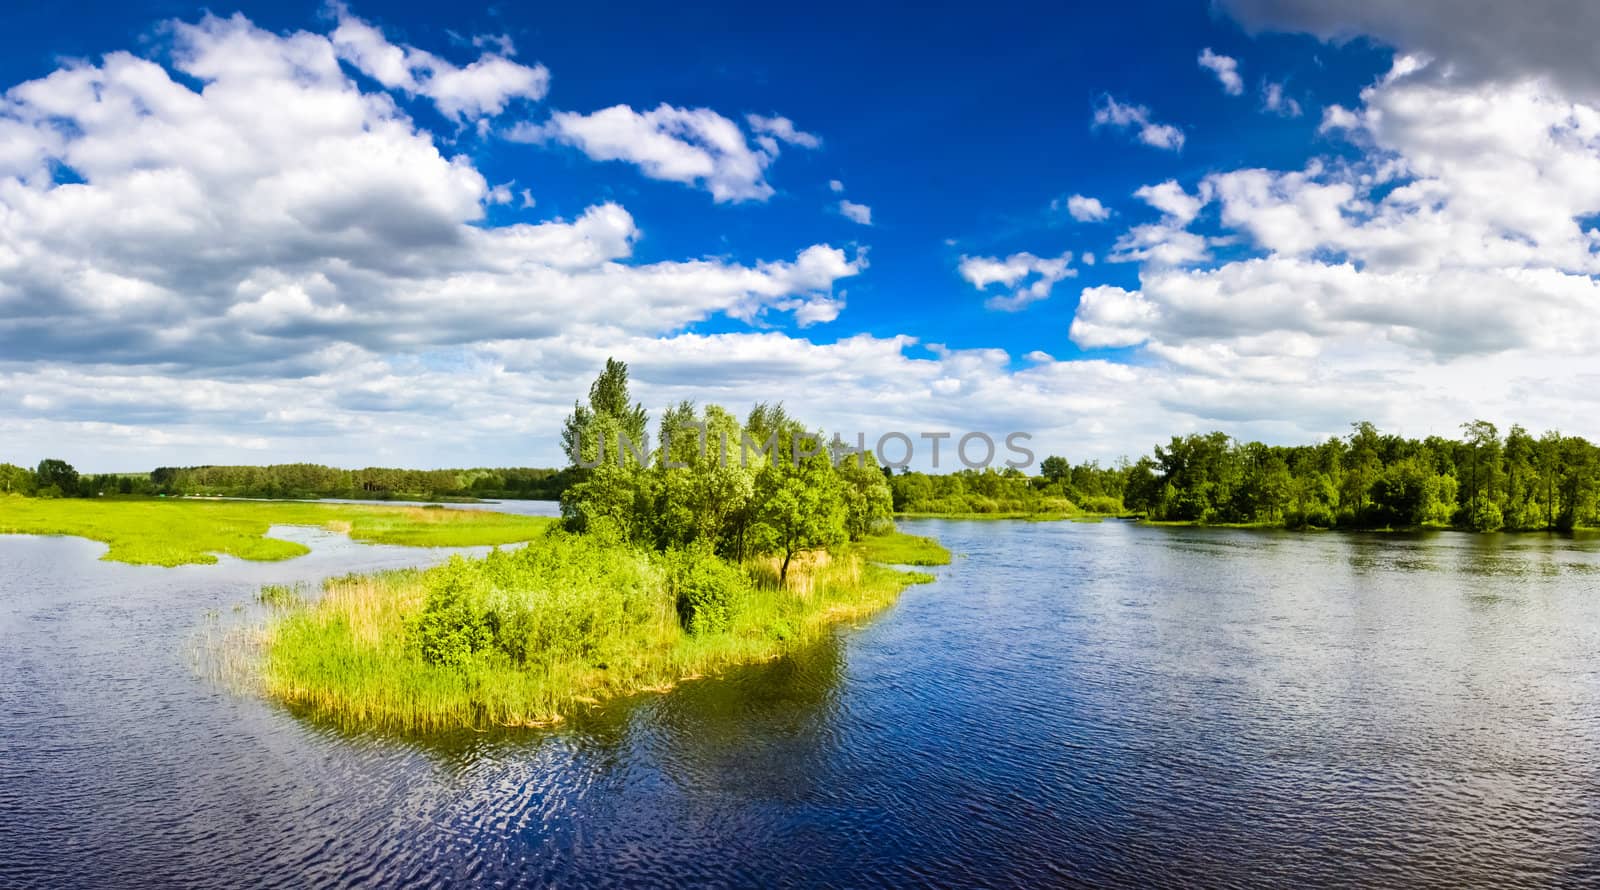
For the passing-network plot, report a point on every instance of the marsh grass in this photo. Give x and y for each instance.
(282, 596)
(181, 532)
(529, 637)
(904, 550)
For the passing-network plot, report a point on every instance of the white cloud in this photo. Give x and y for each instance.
(1111, 113)
(1462, 236)
(693, 146)
(276, 209)
(1085, 209)
(1225, 68)
(1170, 198)
(480, 89)
(1276, 101)
(859, 213)
(1012, 271)
(782, 130)
(835, 186)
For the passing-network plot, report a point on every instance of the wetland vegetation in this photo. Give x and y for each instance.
(182, 531)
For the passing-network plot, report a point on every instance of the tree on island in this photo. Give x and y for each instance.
(702, 489)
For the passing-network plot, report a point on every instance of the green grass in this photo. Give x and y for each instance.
(181, 532)
(902, 549)
(528, 637)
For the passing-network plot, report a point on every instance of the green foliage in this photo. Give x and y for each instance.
(767, 486)
(1372, 480)
(57, 477)
(1007, 492)
(869, 502)
(1055, 468)
(707, 591)
(16, 480)
(799, 507)
(372, 483)
(610, 410)
(452, 628)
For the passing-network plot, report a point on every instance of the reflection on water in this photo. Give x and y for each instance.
(1068, 704)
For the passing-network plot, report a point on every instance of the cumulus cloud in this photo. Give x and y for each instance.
(1463, 234)
(1010, 272)
(694, 146)
(1085, 209)
(1225, 68)
(275, 208)
(1170, 198)
(1167, 242)
(1111, 113)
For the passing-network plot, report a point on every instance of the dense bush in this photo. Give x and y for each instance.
(560, 599)
(706, 590)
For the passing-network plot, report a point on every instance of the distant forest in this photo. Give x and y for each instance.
(54, 478)
(1482, 481)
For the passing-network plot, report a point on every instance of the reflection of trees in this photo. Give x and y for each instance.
(756, 730)
(745, 729)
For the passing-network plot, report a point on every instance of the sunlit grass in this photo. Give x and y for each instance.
(603, 625)
(904, 550)
(179, 532)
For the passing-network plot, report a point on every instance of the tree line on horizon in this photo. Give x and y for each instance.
(1482, 481)
(57, 478)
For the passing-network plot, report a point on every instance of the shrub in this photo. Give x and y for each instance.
(565, 598)
(450, 630)
(1101, 503)
(707, 590)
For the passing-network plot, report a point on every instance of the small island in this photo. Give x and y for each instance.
(662, 569)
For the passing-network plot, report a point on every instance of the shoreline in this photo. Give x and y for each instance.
(357, 655)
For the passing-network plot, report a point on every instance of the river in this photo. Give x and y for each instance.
(1069, 704)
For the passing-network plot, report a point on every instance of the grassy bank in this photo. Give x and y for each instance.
(903, 550)
(180, 532)
(526, 637)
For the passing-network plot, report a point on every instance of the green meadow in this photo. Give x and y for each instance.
(182, 532)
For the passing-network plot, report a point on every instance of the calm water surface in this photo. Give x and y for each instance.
(1069, 704)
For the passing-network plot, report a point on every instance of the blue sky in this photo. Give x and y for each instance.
(1302, 222)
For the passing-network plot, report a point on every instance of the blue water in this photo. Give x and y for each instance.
(1068, 705)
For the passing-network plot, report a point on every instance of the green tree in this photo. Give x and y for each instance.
(799, 508)
(58, 475)
(1055, 468)
(1482, 453)
(608, 400)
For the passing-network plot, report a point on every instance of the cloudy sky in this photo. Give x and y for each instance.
(410, 235)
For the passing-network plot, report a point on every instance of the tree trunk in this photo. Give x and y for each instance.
(783, 573)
